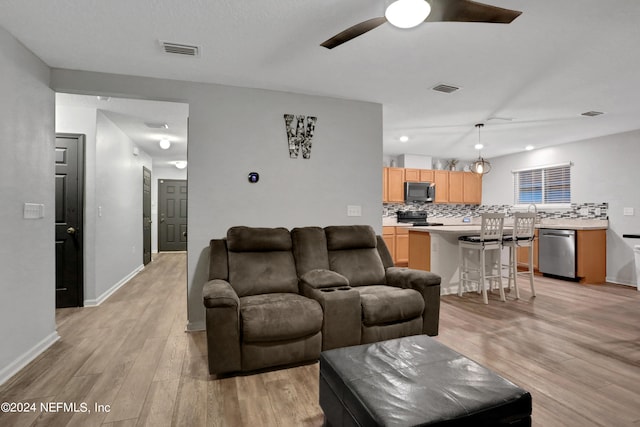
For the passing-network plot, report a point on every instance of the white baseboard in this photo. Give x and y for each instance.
(610, 280)
(27, 357)
(111, 290)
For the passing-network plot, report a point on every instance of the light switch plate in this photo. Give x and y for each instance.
(628, 212)
(33, 211)
(354, 210)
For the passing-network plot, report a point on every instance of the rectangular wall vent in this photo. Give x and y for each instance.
(180, 49)
(445, 88)
(592, 113)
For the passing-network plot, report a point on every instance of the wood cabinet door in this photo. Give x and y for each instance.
(389, 237)
(456, 185)
(522, 256)
(441, 179)
(385, 185)
(412, 175)
(395, 184)
(472, 188)
(420, 250)
(402, 246)
(426, 175)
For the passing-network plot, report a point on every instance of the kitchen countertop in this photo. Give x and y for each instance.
(455, 225)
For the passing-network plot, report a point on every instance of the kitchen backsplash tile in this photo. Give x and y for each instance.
(576, 211)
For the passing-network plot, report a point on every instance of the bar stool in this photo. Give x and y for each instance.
(522, 237)
(490, 239)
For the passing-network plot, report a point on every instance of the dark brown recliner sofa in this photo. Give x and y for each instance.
(276, 297)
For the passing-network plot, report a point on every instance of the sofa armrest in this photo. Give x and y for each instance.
(223, 327)
(428, 284)
(319, 278)
(219, 293)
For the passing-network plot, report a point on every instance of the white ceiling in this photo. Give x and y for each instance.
(554, 62)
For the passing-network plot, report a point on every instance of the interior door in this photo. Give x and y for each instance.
(172, 215)
(69, 204)
(146, 215)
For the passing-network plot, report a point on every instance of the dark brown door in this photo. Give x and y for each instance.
(146, 215)
(172, 215)
(68, 215)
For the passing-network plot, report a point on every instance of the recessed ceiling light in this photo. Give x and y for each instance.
(103, 98)
(478, 146)
(592, 113)
(158, 125)
(180, 164)
(165, 144)
(529, 147)
(404, 138)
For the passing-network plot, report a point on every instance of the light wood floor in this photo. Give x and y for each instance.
(575, 348)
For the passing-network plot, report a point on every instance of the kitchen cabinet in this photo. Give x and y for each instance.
(412, 175)
(441, 180)
(456, 190)
(426, 175)
(472, 188)
(523, 254)
(420, 251)
(591, 256)
(393, 185)
(451, 186)
(397, 241)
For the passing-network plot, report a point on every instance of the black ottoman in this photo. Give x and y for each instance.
(415, 381)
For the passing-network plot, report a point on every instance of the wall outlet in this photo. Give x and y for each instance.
(628, 212)
(354, 210)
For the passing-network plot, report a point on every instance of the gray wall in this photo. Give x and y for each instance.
(233, 131)
(27, 316)
(605, 170)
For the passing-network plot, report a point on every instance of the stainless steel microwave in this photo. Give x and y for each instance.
(419, 192)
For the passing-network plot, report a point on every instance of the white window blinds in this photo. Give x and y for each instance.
(543, 185)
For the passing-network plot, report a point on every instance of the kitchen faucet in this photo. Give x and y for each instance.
(535, 210)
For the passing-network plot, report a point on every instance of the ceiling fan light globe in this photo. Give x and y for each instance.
(407, 13)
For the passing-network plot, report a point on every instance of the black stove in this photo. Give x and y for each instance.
(415, 218)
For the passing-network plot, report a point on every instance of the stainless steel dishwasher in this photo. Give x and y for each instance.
(557, 252)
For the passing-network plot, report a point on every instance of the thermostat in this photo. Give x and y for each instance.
(254, 177)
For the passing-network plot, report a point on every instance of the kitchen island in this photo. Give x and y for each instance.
(435, 249)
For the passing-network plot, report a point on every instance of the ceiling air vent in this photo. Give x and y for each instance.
(180, 49)
(592, 113)
(445, 88)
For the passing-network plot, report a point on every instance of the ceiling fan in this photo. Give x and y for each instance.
(410, 13)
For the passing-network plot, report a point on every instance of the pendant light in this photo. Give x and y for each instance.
(480, 166)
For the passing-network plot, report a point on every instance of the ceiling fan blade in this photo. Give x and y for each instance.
(353, 32)
(469, 11)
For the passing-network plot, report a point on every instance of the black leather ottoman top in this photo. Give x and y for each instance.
(416, 381)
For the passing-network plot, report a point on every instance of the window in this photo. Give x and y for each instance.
(543, 185)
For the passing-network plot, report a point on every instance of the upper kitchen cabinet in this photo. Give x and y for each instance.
(441, 179)
(472, 188)
(426, 175)
(456, 184)
(412, 175)
(393, 185)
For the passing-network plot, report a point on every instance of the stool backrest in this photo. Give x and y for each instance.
(524, 225)
(491, 226)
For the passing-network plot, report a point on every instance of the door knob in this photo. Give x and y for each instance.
(71, 231)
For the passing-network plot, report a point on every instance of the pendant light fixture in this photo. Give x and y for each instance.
(480, 166)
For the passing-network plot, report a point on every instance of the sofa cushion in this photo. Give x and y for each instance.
(279, 317)
(342, 237)
(252, 273)
(256, 239)
(359, 266)
(309, 249)
(387, 304)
